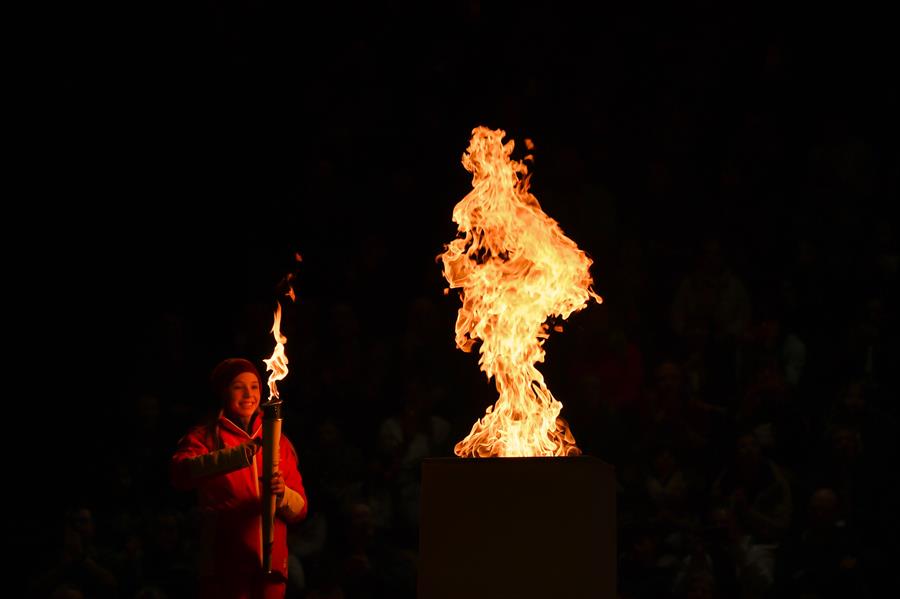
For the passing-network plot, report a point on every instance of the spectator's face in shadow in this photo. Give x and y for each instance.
(644, 548)
(845, 444)
(147, 411)
(83, 523)
(823, 508)
(664, 463)
(700, 587)
(748, 454)
(329, 435)
(668, 377)
(723, 526)
(712, 262)
(66, 592)
(166, 532)
(362, 524)
(854, 399)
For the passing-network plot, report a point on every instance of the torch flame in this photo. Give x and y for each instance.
(277, 364)
(515, 268)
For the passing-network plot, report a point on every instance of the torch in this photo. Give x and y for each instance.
(271, 410)
(271, 436)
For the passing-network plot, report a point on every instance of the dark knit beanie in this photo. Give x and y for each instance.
(227, 370)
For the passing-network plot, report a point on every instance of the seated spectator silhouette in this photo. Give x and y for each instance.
(854, 410)
(79, 568)
(643, 572)
(742, 566)
(756, 490)
(823, 559)
(668, 489)
(711, 312)
(406, 438)
(768, 409)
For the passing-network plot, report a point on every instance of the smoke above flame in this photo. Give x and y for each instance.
(515, 269)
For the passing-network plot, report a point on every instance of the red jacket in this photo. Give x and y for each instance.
(219, 462)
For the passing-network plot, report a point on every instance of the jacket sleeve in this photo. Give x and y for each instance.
(293, 506)
(193, 461)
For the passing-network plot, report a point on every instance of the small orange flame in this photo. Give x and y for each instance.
(514, 268)
(277, 364)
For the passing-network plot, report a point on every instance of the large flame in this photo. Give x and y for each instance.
(278, 363)
(515, 268)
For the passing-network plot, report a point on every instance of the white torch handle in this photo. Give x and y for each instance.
(271, 438)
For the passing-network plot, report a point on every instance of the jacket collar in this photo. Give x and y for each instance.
(255, 425)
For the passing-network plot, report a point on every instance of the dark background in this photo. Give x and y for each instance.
(197, 148)
(191, 150)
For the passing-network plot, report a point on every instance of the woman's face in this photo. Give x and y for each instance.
(242, 396)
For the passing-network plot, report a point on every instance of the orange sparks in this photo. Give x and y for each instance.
(515, 269)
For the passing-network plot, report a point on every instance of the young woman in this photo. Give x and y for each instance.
(222, 461)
